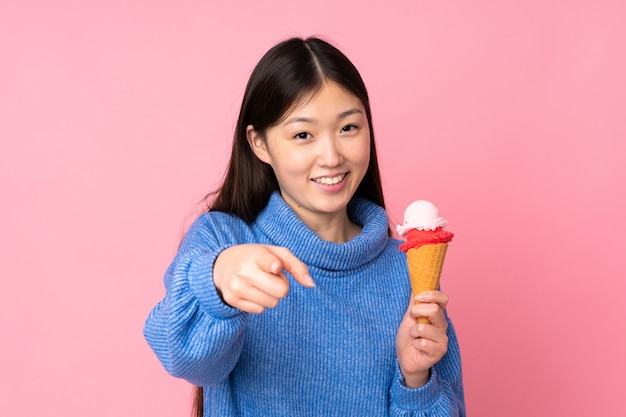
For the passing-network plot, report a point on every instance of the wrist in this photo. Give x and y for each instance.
(417, 380)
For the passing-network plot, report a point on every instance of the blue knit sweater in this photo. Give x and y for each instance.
(323, 351)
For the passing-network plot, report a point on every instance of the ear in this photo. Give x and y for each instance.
(257, 144)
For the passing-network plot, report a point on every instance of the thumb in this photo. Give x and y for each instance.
(294, 266)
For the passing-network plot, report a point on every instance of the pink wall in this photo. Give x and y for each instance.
(115, 119)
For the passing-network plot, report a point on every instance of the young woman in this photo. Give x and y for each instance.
(288, 297)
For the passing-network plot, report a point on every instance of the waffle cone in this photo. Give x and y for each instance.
(425, 264)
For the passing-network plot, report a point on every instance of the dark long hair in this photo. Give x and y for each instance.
(287, 73)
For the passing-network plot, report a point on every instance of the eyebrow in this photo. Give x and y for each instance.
(349, 112)
(308, 120)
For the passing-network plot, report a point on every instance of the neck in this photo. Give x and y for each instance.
(336, 228)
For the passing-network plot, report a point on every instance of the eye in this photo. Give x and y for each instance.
(302, 135)
(349, 128)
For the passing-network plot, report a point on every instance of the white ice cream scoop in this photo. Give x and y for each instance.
(421, 215)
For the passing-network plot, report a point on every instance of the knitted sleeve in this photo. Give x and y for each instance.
(442, 396)
(195, 335)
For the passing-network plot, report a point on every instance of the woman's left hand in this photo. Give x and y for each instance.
(421, 345)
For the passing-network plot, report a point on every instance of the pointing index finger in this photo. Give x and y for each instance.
(294, 266)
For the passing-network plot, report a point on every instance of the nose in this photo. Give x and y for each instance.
(330, 154)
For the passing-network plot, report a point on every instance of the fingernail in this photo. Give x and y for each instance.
(309, 280)
(420, 297)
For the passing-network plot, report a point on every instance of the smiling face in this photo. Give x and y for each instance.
(319, 153)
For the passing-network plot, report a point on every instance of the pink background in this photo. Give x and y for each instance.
(116, 118)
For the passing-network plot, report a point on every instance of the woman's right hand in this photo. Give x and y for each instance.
(250, 277)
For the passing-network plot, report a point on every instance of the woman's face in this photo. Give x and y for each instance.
(319, 152)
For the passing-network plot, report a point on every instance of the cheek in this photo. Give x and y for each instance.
(289, 163)
(293, 157)
(361, 153)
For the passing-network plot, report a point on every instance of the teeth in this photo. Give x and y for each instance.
(330, 180)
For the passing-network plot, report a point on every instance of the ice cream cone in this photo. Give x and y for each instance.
(425, 264)
(425, 247)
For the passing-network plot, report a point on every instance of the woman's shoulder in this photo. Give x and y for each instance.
(218, 226)
(209, 218)
(392, 249)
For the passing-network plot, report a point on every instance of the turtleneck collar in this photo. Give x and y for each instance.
(284, 228)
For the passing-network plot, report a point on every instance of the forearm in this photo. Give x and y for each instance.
(193, 333)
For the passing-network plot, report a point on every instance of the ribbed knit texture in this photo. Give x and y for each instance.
(323, 351)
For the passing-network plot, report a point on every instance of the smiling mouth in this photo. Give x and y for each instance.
(330, 180)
